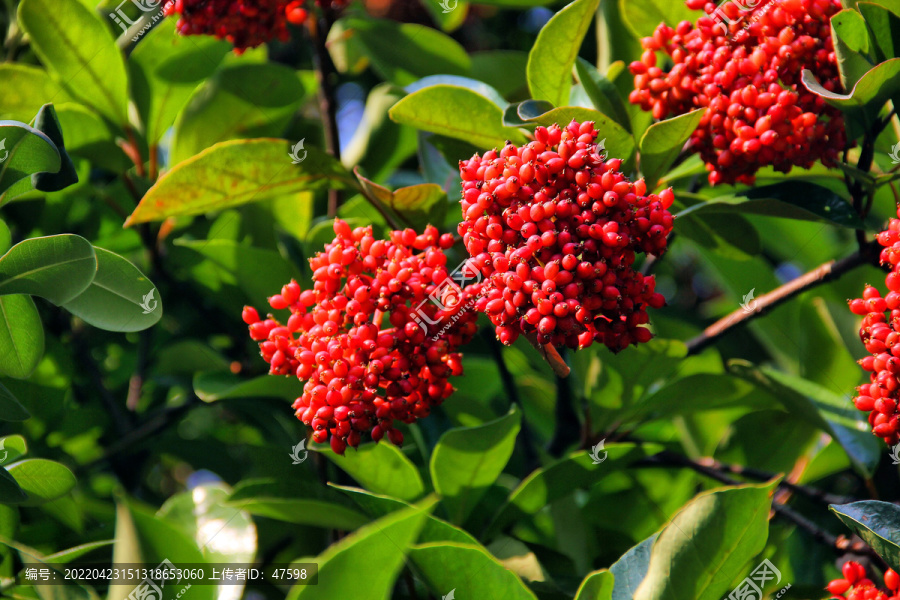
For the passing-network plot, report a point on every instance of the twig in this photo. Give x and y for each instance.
(154, 162)
(550, 354)
(821, 274)
(327, 102)
(135, 152)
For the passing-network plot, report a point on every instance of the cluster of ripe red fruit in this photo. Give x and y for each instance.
(744, 68)
(555, 227)
(244, 23)
(356, 340)
(880, 333)
(856, 586)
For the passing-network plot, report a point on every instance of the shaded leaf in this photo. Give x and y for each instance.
(305, 504)
(24, 151)
(224, 385)
(56, 267)
(21, 336)
(630, 570)
(876, 522)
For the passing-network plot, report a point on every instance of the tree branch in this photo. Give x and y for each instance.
(327, 102)
(551, 355)
(821, 274)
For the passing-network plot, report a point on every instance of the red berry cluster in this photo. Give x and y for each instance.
(244, 23)
(747, 75)
(881, 336)
(361, 373)
(857, 586)
(554, 227)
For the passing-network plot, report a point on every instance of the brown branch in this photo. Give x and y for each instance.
(325, 70)
(821, 274)
(550, 354)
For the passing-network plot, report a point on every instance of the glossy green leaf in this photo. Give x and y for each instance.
(730, 235)
(445, 567)
(237, 172)
(598, 585)
(26, 89)
(11, 410)
(616, 140)
(697, 392)
(12, 447)
(851, 46)
(238, 102)
(223, 385)
(873, 89)
(119, 298)
(663, 141)
(24, 151)
(5, 237)
(631, 568)
(834, 414)
(876, 522)
(554, 52)
(448, 14)
(708, 544)
(400, 53)
(467, 460)
(165, 70)
(791, 199)
(79, 51)
(643, 16)
(387, 539)
(458, 113)
(56, 267)
(10, 492)
(21, 336)
(43, 480)
(885, 28)
(304, 504)
(417, 205)
(603, 93)
(380, 468)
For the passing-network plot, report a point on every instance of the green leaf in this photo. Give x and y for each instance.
(663, 141)
(21, 336)
(731, 236)
(873, 89)
(165, 69)
(877, 523)
(25, 151)
(603, 93)
(223, 385)
(12, 446)
(631, 568)
(47, 123)
(237, 172)
(74, 553)
(238, 102)
(790, 199)
(5, 237)
(79, 51)
(598, 585)
(458, 113)
(380, 468)
(126, 547)
(43, 480)
(885, 28)
(10, 492)
(304, 504)
(25, 90)
(418, 205)
(643, 16)
(555, 50)
(851, 46)
(708, 544)
(449, 566)
(11, 410)
(224, 533)
(834, 414)
(119, 298)
(693, 393)
(399, 52)
(387, 539)
(467, 460)
(56, 267)
(452, 17)
(618, 142)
